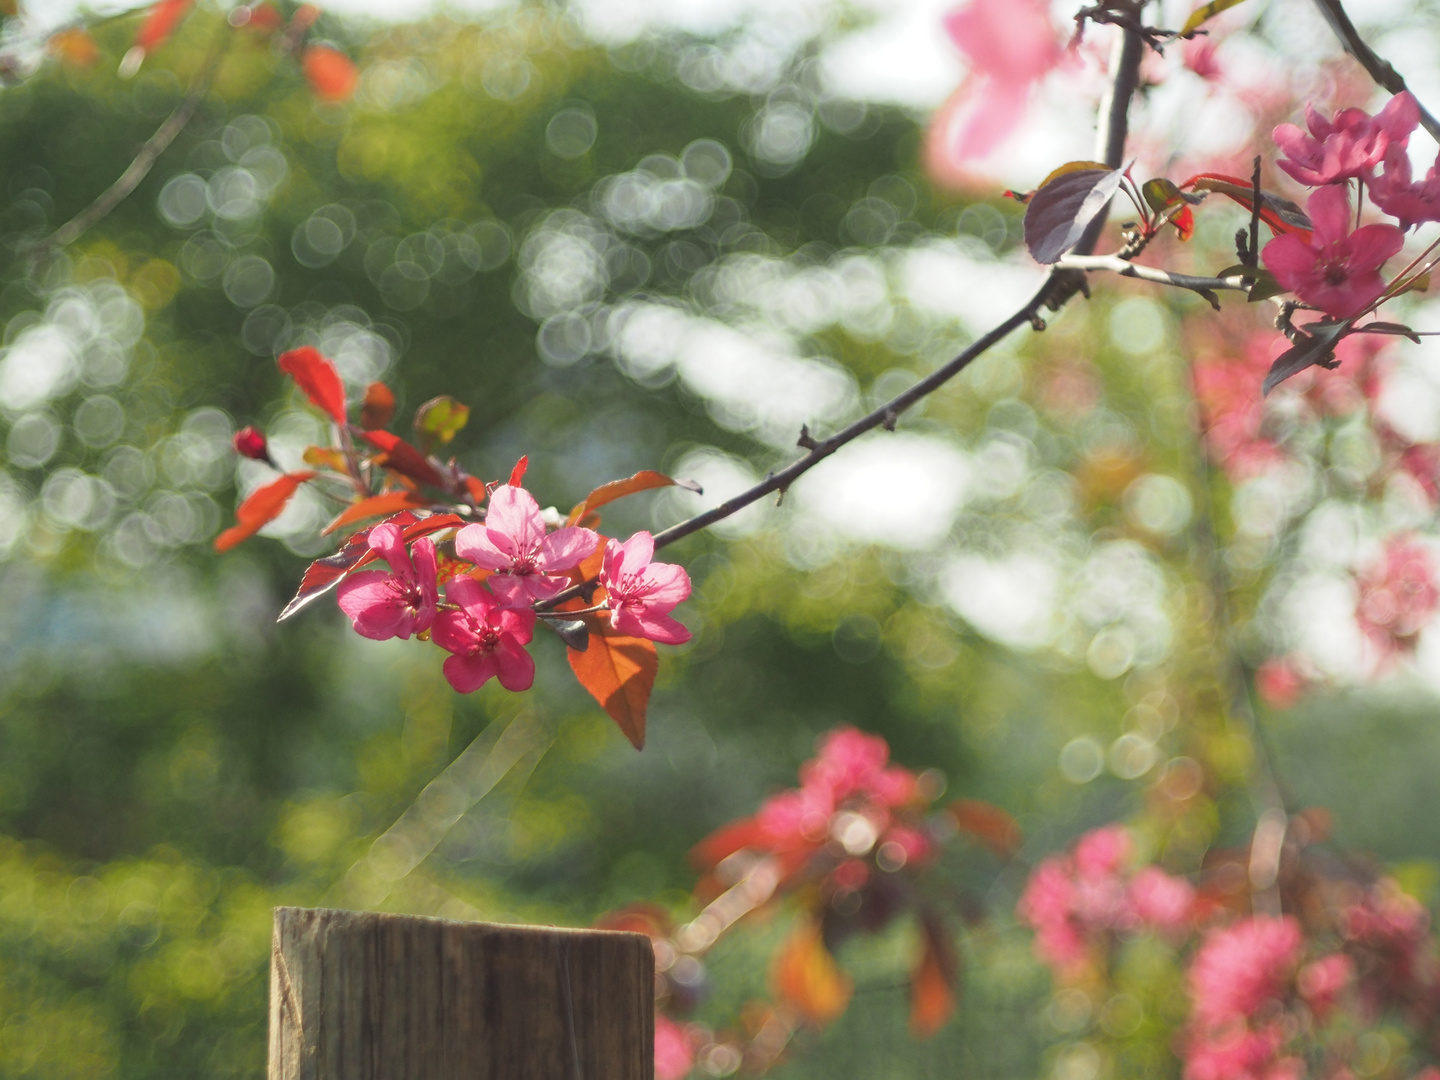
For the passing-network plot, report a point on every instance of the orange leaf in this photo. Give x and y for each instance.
(160, 23)
(317, 377)
(331, 73)
(392, 502)
(379, 406)
(806, 976)
(477, 489)
(619, 673)
(261, 507)
(726, 841)
(644, 480)
(1282, 215)
(325, 457)
(74, 46)
(404, 458)
(989, 824)
(932, 985)
(517, 474)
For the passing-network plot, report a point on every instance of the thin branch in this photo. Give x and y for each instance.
(1205, 286)
(1060, 286)
(140, 167)
(1379, 69)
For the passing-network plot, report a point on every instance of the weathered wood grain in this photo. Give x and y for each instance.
(367, 996)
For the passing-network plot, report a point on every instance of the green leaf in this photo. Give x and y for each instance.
(440, 418)
(1205, 13)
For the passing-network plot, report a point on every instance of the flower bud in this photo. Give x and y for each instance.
(250, 442)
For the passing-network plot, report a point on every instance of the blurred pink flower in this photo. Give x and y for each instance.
(1237, 1053)
(1336, 270)
(1102, 852)
(848, 761)
(1240, 967)
(1395, 192)
(1321, 981)
(513, 543)
(674, 1053)
(1279, 682)
(643, 593)
(398, 603)
(1009, 45)
(1347, 147)
(1398, 594)
(1160, 899)
(487, 639)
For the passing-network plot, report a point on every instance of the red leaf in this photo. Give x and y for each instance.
(260, 508)
(1282, 215)
(989, 824)
(160, 23)
(264, 18)
(619, 673)
(806, 976)
(1184, 223)
(477, 489)
(517, 474)
(644, 480)
(331, 73)
(404, 458)
(932, 984)
(324, 574)
(378, 408)
(726, 841)
(390, 502)
(318, 378)
(1061, 208)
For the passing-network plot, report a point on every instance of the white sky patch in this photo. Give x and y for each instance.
(722, 476)
(901, 491)
(941, 279)
(1011, 600)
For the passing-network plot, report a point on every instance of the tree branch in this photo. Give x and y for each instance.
(1205, 286)
(1060, 286)
(1379, 69)
(140, 167)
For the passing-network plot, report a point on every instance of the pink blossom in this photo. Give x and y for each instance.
(1009, 45)
(642, 593)
(1047, 904)
(848, 761)
(514, 544)
(1279, 682)
(1237, 1053)
(487, 639)
(1395, 192)
(1240, 967)
(1347, 147)
(1321, 981)
(398, 603)
(674, 1052)
(1160, 899)
(793, 820)
(1398, 593)
(1102, 852)
(1336, 270)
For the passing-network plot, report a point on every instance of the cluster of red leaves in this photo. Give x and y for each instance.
(849, 846)
(424, 500)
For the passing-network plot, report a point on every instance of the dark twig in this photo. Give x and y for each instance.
(1379, 69)
(1062, 284)
(140, 167)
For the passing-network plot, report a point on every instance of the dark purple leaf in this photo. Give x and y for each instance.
(1056, 215)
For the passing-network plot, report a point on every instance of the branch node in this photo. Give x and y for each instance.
(806, 440)
(891, 418)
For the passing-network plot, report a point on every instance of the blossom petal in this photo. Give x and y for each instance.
(518, 623)
(565, 547)
(638, 621)
(377, 611)
(454, 632)
(512, 590)
(665, 584)
(1400, 117)
(514, 513)
(514, 665)
(472, 596)
(1290, 259)
(1371, 245)
(468, 673)
(475, 544)
(639, 550)
(427, 571)
(1329, 209)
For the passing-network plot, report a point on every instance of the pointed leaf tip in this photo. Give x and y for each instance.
(619, 673)
(317, 378)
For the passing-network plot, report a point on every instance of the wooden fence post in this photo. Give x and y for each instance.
(367, 996)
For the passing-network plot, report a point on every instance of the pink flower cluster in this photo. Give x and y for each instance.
(487, 620)
(1398, 595)
(1334, 268)
(1077, 903)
